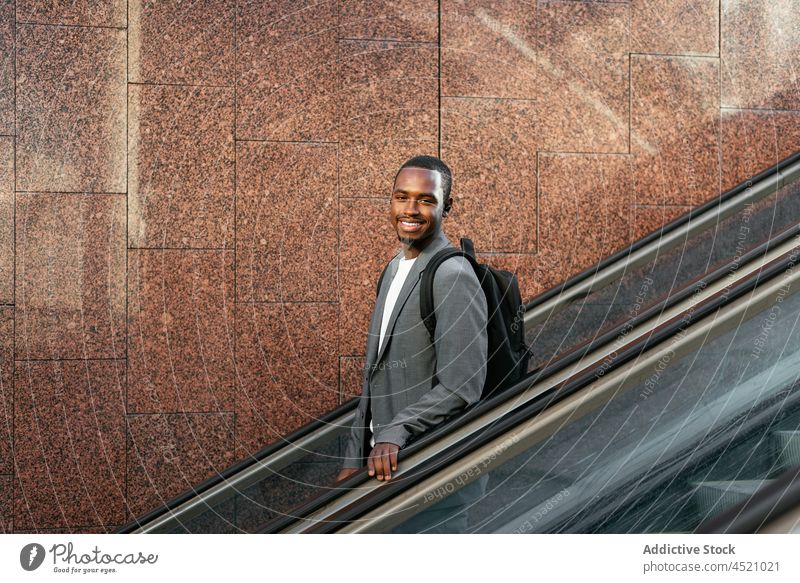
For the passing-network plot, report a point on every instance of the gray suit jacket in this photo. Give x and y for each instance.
(413, 385)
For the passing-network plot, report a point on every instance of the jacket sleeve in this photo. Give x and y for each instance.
(461, 344)
(352, 450)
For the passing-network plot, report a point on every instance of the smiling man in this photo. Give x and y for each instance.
(432, 380)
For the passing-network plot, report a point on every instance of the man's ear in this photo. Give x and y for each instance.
(448, 205)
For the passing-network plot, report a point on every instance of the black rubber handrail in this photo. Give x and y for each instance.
(776, 498)
(325, 419)
(568, 387)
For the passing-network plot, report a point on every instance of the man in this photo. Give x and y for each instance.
(411, 384)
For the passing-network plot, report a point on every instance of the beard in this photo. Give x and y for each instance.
(407, 241)
(415, 243)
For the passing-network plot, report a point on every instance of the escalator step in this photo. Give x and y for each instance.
(788, 447)
(714, 496)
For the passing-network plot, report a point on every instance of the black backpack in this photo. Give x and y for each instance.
(508, 354)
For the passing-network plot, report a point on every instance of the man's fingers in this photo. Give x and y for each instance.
(382, 461)
(379, 469)
(385, 456)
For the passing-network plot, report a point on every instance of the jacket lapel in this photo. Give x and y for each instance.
(441, 241)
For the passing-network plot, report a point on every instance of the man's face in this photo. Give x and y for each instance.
(417, 205)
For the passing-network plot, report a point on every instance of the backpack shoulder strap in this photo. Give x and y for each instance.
(468, 247)
(426, 306)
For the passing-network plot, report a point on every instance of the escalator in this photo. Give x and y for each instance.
(580, 325)
(704, 421)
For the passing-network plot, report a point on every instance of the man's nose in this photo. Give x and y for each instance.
(411, 206)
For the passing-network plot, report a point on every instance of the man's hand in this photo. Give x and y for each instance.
(382, 460)
(346, 473)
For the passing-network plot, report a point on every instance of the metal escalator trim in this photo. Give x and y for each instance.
(760, 512)
(786, 523)
(658, 242)
(406, 490)
(482, 419)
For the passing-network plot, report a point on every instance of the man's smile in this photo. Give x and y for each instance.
(410, 225)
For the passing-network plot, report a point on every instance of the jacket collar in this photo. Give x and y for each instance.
(439, 242)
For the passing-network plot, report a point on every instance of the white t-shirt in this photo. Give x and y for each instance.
(403, 267)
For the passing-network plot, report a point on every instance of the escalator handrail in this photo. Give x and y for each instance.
(570, 386)
(767, 503)
(298, 513)
(663, 230)
(351, 404)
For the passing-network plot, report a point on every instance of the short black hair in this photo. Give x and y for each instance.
(431, 163)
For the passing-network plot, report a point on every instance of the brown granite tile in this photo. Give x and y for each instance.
(286, 70)
(6, 220)
(172, 41)
(80, 12)
(388, 90)
(677, 27)
(6, 389)
(651, 218)
(7, 68)
(286, 222)
(582, 85)
(759, 54)
(675, 129)
(169, 454)
(106, 529)
(6, 505)
(535, 273)
(489, 48)
(287, 367)
(351, 377)
(180, 331)
(70, 126)
(753, 141)
(490, 146)
(70, 284)
(69, 443)
(181, 166)
(416, 20)
(367, 243)
(584, 207)
(368, 168)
